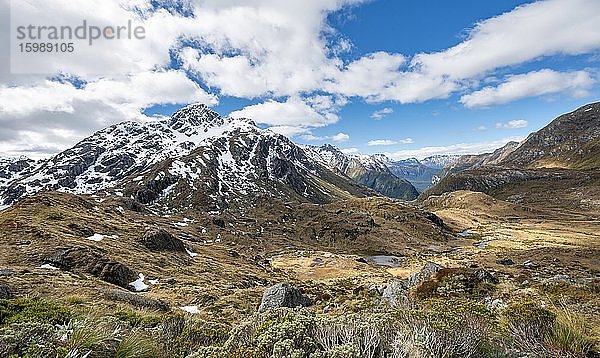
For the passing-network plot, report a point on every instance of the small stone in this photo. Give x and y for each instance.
(5, 292)
(530, 264)
(362, 260)
(505, 261)
(218, 222)
(484, 276)
(496, 304)
(373, 290)
(233, 253)
(6, 272)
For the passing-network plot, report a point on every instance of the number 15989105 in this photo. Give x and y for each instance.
(46, 47)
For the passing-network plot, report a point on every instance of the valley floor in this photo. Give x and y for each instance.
(500, 264)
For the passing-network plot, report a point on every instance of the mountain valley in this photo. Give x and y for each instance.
(194, 219)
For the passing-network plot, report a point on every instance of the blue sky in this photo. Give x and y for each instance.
(411, 27)
(406, 78)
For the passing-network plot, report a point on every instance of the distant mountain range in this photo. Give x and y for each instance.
(555, 166)
(197, 158)
(372, 171)
(422, 173)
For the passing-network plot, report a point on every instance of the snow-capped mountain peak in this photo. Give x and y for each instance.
(369, 170)
(197, 118)
(210, 156)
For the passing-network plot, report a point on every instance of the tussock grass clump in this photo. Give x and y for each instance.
(136, 345)
(559, 333)
(181, 335)
(567, 335)
(136, 319)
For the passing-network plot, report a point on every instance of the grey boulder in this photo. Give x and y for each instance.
(395, 292)
(283, 295)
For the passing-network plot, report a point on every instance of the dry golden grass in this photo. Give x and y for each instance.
(227, 277)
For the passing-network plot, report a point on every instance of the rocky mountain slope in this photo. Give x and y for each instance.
(369, 170)
(479, 160)
(571, 141)
(558, 164)
(194, 158)
(12, 169)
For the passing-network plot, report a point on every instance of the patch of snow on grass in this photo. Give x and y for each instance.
(139, 285)
(190, 309)
(192, 254)
(95, 237)
(49, 267)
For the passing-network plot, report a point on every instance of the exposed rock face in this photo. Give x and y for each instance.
(565, 154)
(428, 271)
(14, 168)
(436, 280)
(161, 240)
(85, 260)
(483, 275)
(395, 292)
(283, 295)
(570, 141)
(480, 160)
(486, 179)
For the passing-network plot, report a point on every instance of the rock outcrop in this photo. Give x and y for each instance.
(161, 240)
(283, 295)
(85, 260)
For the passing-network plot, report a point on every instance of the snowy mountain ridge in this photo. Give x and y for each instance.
(195, 149)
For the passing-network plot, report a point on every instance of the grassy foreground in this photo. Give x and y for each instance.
(430, 328)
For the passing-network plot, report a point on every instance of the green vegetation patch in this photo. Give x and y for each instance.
(23, 310)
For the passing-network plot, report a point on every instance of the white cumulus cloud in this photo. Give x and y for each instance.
(379, 114)
(340, 137)
(458, 148)
(531, 84)
(529, 31)
(382, 142)
(514, 124)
